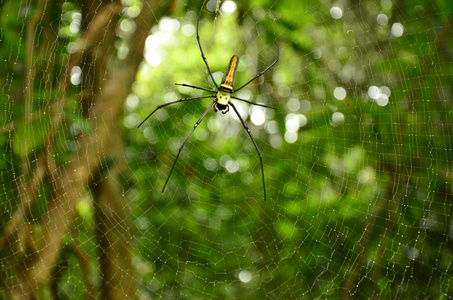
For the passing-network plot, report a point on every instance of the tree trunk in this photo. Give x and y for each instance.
(101, 144)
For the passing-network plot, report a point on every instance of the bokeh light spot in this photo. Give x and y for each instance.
(336, 12)
(397, 29)
(339, 93)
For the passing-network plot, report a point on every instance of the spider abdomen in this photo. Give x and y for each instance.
(230, 75)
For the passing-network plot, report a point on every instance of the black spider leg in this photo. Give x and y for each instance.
(254, 143)
(174, 102)
(251, 102)
(262, 72)
(204, 57)
(196, 87)
(185, 141)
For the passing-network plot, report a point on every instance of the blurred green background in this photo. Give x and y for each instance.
(357, 157)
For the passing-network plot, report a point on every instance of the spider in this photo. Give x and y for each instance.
(222, 102)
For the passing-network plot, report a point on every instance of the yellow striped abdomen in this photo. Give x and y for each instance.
(230, 75)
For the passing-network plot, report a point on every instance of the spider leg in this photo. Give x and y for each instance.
(254, 143)
(185, 141)
(174, 102)
(196, 87)
(253, 103)
(262, 72)
(204, 57)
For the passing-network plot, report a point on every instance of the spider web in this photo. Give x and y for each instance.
(357, 157)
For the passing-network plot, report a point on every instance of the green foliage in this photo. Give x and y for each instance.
(356, 208)
(26, 139)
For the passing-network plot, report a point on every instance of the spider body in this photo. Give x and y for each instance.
(230, 75)
(222, 101)
(224, 108)
(225, 90)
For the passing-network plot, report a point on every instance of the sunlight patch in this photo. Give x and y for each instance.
(339, 93)
(397, 30)
(188, 30)
(290, 137)
(76, 75)
(379, 95)
(337, 118)
(228, 7)
(245, 276)
(258, 117)
(169, 25)
(336, 12)
(153, 58)
(293, 104)
(382, 19)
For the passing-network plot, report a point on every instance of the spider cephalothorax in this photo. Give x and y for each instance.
(222, 101)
